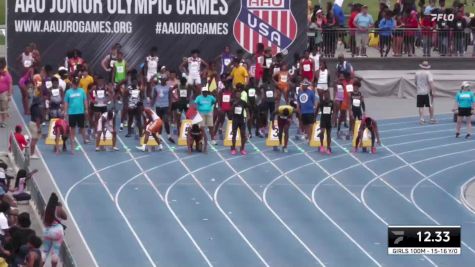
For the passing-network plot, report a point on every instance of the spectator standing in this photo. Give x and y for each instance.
(398, 37)
(6, 87)
(329, 35)
(427, 26)
(425, 91)
(344, 67)
(54, 232)
(443, 33)
(36, 117)
(355, 10)
(75, 106)
(363, 21)
(340, 21)
(386, 28)
(459, 25)
(472, 27)
(410, 23)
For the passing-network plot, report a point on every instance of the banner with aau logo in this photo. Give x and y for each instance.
(174, 26)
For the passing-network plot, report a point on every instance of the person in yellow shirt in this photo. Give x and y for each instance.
(86, 80)
(239, 74)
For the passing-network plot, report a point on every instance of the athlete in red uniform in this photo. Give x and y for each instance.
(61, 130)
(307, 68)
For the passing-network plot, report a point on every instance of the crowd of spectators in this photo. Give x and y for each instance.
(428, 25)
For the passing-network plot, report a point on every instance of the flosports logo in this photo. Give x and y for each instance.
(443, 17)
(270, 22)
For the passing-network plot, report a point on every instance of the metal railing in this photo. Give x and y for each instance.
(21, 159)
(400, 41)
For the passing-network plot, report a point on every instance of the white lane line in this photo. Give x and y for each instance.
(416, 127)
(89, 161)
(415, 122)
(417, 141)
(117, 196)
(463, 196)
(71, 215)
(423, 211)
(326, 215)
(236, 173)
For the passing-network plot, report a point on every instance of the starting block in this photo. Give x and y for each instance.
(315, 136)
(228, 139)
(107, 141)
(273, 136)
(51, 138)
(151, 141)
(184, 129)
(366, 138)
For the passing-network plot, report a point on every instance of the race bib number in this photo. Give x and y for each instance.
(268, 62)
(459, 24)
(238, 110)
(252, 92)
(48, 84)
(55, 92)
(252, 71)
(339, 88)
(27, 63)
(349, 88)
(276, 70)
(183, 93)
(135, 93)
(356, 103)
(306, 67)
(100, 93)
(260, 60)
(226, 98)
(227, 61)
(327, 110)
(120, 69)
(270, 94)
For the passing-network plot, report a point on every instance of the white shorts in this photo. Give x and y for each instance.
(193, 80)
(150, 76)
(322, 86)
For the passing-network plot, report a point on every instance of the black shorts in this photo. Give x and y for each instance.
(357, 113)
(423, 101)
(239, 123)
(326, 123)
(76, 120)
(180, 106)
(99, 109)
(162, 112)
(308, 118)
(465, 112)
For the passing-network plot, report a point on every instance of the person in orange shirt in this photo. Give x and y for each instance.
(282, 79)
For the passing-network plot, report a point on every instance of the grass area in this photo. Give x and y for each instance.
(373, 5)
(2, 12)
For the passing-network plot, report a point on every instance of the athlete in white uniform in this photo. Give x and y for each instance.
(322, 79)
(193, 71)
(151, 64)
(105, 124)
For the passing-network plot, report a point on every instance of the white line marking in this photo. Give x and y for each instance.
(416, 127)
(417, 141)
(418, 133)
(57, 189)
(463, 197)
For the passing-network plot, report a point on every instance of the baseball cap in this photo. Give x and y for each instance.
(204, 89)
(465, 84)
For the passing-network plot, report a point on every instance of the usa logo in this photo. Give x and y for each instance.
(270, 22)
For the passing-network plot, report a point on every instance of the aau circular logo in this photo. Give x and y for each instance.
(303, 98)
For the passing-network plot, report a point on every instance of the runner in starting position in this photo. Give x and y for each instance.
(284, 118)
(153, 126)
(105, 123)
(61, 130)
(371, 125)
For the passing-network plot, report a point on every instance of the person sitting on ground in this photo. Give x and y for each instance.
(153, 125)
(19, 137)
(197, 137)
(61, 132)
(370, 125)
(22, 177)
(19, 236)
(284, 119)
(34, 257)
(106, 123)
(465, 105)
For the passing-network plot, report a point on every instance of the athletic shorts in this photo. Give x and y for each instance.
(465, 112)
(207, 119)
(326, 123)
(322, 86)
(283, 123)
(99, 109)
(357, 113)
(154, 127)
(193, 80)
(76, 120)
(180, 106)
(308, 118)
(4, 102)
(423, 101)
(33, 130)
(240, 123)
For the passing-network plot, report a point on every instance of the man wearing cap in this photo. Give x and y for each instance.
(464, 106)
(75, 106)
(204, 104)
(363, 21)
(425, 91)
(306, 107)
